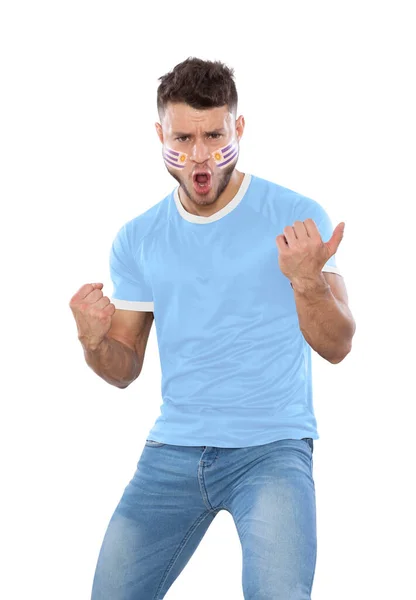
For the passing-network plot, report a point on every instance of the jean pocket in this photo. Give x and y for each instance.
(153, 444)
(309, 441)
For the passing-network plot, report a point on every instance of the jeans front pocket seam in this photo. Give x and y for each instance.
(309, 441)
(154, 444)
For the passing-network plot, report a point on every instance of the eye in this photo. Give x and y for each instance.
(182, 138)
(215, 136)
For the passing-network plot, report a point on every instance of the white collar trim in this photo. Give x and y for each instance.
(220, 213)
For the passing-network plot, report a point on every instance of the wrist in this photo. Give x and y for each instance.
(308, 285)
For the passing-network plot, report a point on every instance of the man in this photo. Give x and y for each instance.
(240, 277)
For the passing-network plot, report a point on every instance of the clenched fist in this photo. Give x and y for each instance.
(93, 313)
(302, 253)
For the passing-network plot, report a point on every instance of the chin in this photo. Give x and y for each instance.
(203, 200)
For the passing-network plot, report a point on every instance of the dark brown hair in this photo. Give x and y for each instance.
(199, 83)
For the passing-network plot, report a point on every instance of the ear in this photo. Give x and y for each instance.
(239, 126)
(159, 131)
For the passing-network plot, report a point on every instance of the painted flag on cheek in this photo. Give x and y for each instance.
(225, 155)
(174, 159)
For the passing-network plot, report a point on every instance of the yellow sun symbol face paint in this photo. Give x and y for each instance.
(225, 155)
(174, 159)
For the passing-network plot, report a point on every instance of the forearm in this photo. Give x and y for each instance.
(327, 325)
(114, 362)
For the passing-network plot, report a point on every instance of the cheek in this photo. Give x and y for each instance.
(225, 155)
(174, 159)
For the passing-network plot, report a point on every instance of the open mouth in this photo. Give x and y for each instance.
(202, 182)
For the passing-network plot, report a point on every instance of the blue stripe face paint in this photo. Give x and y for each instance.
(174, 159)
(225, 155)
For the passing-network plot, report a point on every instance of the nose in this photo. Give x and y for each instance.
(200, 152)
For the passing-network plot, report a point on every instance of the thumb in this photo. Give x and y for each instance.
(333, 244)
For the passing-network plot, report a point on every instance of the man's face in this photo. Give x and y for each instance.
(200, 134)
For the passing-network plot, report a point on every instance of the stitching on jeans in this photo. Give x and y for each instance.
(179, 550)
(306, 440)
(313, 574)
(201, 481)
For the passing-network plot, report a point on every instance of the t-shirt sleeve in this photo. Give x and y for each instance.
(326, 229)
(131, 289)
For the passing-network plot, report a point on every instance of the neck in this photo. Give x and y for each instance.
(206, 210)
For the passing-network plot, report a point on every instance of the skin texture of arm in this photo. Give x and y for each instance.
(114, 362)
(325, 319)
(119, 357)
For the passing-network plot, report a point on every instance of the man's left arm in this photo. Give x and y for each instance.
(321, 298)
(324, 316)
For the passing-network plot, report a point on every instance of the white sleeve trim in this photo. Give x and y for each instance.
(329, 269)
(129, 305)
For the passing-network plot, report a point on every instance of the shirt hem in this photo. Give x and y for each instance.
(218, 443)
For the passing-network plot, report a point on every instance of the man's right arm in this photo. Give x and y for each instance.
(119, 357)
(114, 361)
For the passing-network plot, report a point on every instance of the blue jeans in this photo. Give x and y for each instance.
(175, 494)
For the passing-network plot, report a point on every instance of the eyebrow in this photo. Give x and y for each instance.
(183, 134)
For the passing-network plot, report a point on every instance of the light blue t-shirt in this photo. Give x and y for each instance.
(236, 369)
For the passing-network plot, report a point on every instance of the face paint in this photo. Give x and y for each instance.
(225, 155)
(174, 159)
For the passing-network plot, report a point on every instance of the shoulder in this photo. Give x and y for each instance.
(296, 205)
(146, 223)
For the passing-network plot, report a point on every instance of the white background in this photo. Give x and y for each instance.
(326, 91)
